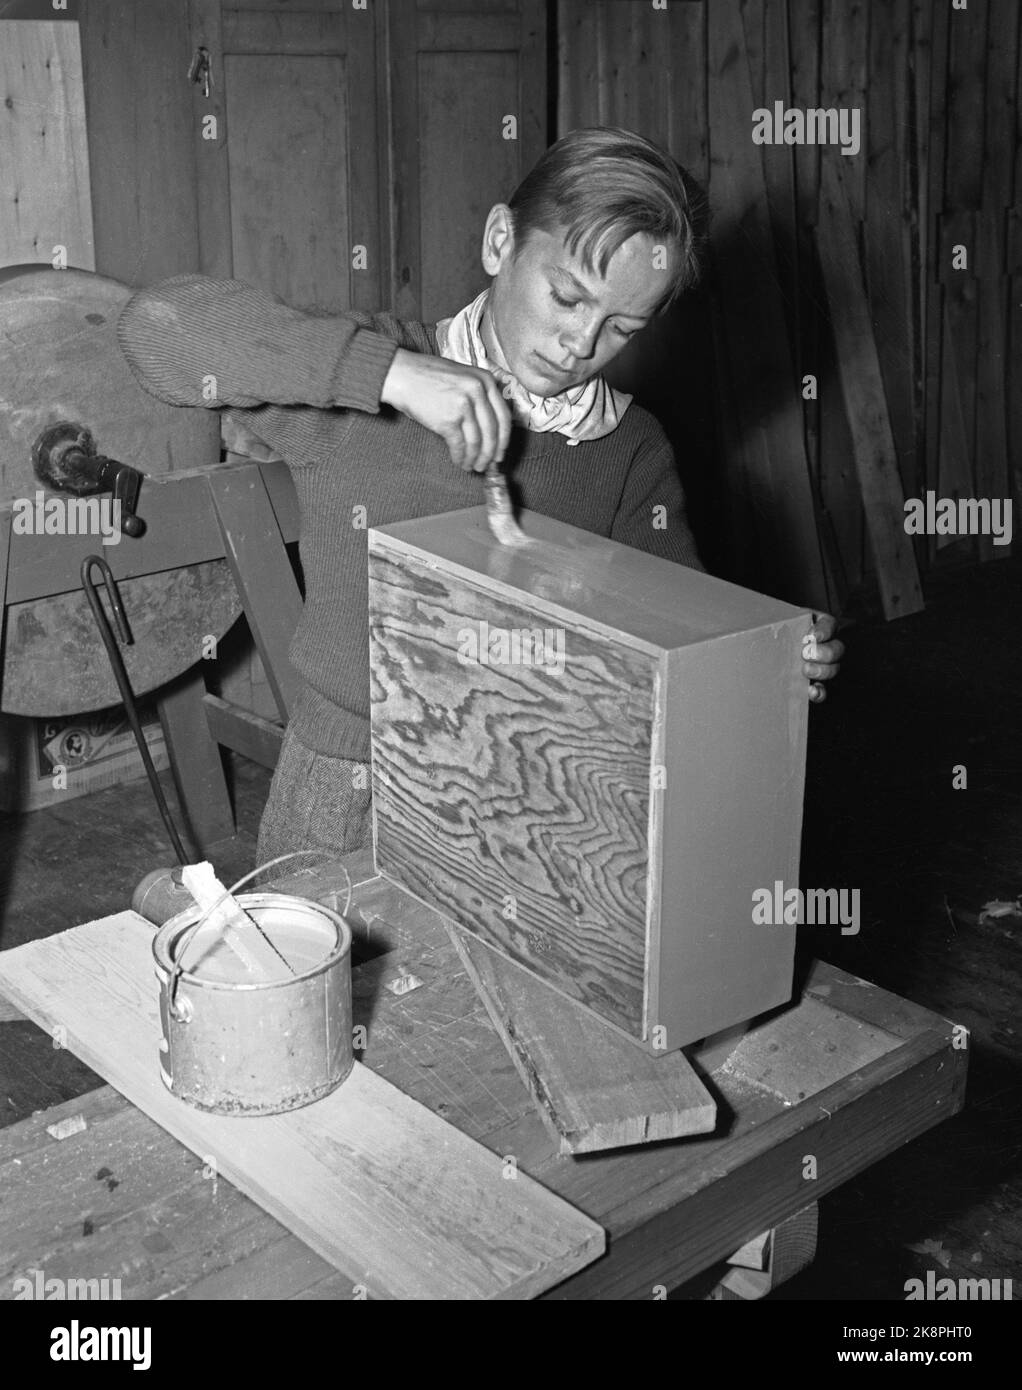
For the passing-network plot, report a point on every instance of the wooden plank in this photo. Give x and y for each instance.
(865, 407)
(262, 573)
(594, 1090)
(962, 195)
(844, 66)
(548, 803)
(768, 404)
(992, 458)
(779, 165)
(839, 488)
(886, 229)
(244, 732)
(687, 136)
(195, 762)
(954, 474)
(139, 116)
(44, 156)
(577, 98)
(933, 25)
(393, 1197)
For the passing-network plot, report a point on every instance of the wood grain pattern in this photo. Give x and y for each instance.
(44, 157)
(534, 785)
(395, 1198)
(594, 1090)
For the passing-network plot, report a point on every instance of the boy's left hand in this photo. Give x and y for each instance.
(821, 653)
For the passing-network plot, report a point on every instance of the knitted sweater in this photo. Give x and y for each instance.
(309, 386)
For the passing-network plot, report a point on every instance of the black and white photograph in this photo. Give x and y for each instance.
(510, 670)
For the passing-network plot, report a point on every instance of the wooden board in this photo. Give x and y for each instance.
(865, 405)
(593, 1089)
(44, 157)
(605, 822)
(670, 1210)
(394, 1197)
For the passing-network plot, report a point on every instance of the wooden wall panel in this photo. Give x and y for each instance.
(138, 106)
(464, 168)
(455, 72)
(45, 191)
(290, 230)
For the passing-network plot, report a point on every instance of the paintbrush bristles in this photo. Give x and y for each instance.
(499, 511)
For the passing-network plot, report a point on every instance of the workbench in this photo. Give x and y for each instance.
(845, 1075)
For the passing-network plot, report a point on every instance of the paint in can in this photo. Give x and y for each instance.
(239, 1048)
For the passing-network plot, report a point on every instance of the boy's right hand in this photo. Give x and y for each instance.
(463, 405)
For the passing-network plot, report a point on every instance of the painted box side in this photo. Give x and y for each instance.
(511, 786)
(587, 580)
(735, 716)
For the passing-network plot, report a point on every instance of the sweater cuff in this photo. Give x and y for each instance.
(359, 377)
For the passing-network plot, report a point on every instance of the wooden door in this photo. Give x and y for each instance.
(469, 119)
(287, 146)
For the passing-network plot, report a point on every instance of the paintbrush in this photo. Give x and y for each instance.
(499, 511)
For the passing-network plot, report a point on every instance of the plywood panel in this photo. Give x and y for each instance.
(288, 176)
(525, 768)
(45, 196)
(394, 1197)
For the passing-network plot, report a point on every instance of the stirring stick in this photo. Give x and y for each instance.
(240, 932)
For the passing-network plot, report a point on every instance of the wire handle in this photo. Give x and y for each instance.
(178, 968)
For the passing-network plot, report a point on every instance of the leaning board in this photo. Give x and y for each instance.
(392, 1195)
(602, 819)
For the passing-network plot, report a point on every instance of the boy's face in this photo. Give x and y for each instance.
(556, 322)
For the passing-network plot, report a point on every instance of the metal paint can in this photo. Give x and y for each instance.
(239, 1048)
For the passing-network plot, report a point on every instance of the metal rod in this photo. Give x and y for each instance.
(123, 684)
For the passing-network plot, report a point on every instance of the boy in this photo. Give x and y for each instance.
(369, 411)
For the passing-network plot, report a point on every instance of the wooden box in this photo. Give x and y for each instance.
(591, 759)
